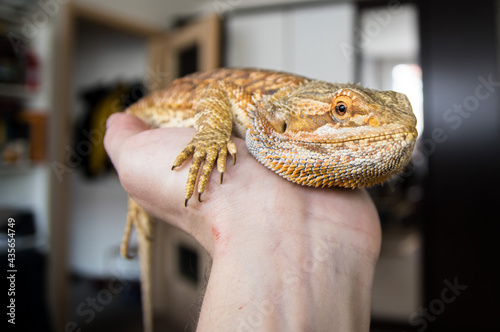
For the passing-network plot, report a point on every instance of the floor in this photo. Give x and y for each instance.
(110, 305)
(105, 306)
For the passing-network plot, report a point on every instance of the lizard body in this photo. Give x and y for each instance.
(310, 132)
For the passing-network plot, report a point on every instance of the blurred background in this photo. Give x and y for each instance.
(65, 66)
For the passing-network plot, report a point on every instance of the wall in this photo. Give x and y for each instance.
(303, 40)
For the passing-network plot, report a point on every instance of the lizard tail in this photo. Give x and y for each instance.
(145, 255)
(131, 215)
(137, 217)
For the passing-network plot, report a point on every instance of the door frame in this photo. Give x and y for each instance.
(60, 122)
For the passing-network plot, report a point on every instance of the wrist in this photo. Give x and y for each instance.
(296, 269)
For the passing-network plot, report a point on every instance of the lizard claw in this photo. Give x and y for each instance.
(231, 148)
(205, 152)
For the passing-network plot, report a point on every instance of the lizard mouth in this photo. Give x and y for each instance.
(334, 135)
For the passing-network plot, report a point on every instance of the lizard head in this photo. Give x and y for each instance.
(323, 134)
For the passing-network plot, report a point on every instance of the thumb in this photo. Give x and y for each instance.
(120, 127)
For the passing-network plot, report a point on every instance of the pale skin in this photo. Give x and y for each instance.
(285, 257)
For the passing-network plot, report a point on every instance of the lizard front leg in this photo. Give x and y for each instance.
(213, 123)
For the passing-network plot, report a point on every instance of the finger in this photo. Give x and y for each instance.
(120, 127)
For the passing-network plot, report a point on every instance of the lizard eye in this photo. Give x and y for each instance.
(340, 111)
(341, 108)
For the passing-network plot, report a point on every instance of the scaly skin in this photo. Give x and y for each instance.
(310, 132)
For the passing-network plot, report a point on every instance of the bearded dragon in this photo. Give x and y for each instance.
(310, 132)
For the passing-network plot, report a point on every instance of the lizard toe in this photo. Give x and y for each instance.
(198, 158)
(184, 155)
(206, 153)
(231, 148)
(210, 158)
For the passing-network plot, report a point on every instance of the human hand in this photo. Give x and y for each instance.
(304, 252)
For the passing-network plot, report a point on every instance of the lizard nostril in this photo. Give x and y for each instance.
(278, 126)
